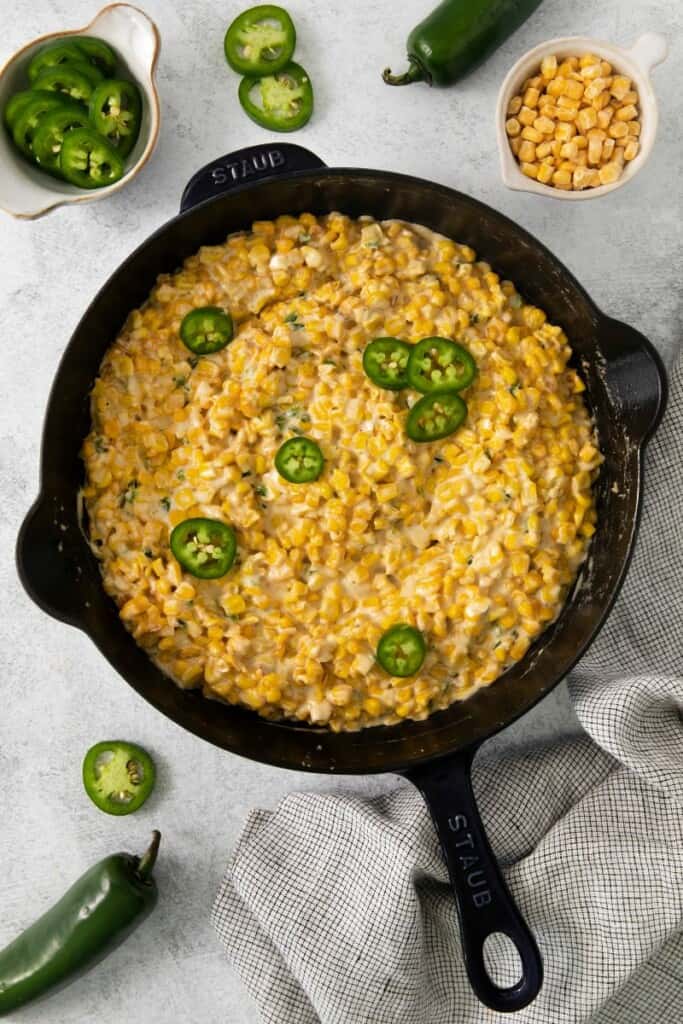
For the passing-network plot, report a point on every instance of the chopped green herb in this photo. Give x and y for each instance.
(514, 388)
(148, 553)
(329, 362)
(100, 446)
(130, 493)
(179, 382)
(165, 504)
(193, 360)
(247, 472)
(181, 474)
(261, 490)
(372, 245)
(303, 239)
(293, 319)
(470, 560)
(515, 301)
(474, 319)
(439, 458)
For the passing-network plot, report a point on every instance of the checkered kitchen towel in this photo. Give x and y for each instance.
(336, 909)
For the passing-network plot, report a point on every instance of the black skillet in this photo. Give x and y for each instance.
(626, 391)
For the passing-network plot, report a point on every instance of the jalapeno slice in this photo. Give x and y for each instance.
(435, 416)
(28, 119)
(76, 81)
(15, 105)
(204, 547)
(282, 101)
(439, 364)
(97, 52)
(260, 41)
(49, 135)
(206, 330)
(385, 360)
(299, 460)
(53, 56)
(87, 160)
(115, 111)
(401, 650)
(118, 776)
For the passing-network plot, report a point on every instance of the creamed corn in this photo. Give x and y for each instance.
(474, 540)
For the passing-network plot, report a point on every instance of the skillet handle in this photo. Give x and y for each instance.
(245, 166)
(484, 902)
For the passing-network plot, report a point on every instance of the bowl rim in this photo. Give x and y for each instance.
(627, 58)
(66, 200)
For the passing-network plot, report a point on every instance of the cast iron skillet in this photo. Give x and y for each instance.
(626, 390)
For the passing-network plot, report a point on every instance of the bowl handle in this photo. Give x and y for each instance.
(484, 902)
(49, 560)
(649, 50)
(245, 166)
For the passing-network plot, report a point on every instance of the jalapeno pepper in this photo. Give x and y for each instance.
(97, 52)
(299, 460)
(97, 913)
(435, 416)
(457, 36)
(401, 650)
(27, 120)
(260, 41)
(204, 547)
(439, 364)
(14, 106)
(87, 160)
(49, 135)
(115, 111)
(206, 330)
(282, 101)
(385, 360)
(76, 81)
(53, 56)
(118, 776)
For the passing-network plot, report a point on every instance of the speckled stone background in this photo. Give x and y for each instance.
(58, 694)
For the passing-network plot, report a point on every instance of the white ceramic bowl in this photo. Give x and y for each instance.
(636, 63)
(27, 192)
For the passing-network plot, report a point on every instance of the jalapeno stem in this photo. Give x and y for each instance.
(149, 857)
(413, 74)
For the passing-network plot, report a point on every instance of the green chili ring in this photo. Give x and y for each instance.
(260, 41)
(118, 776)
(401, 650)
(385, 361)
(205, 548)
(286, 98)
(439, 364)
(299, 460)
(435, 416)
(206, 330)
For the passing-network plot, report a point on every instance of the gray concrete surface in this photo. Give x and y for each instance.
(57, 694)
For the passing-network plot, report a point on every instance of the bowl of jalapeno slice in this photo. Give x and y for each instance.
(80, 112)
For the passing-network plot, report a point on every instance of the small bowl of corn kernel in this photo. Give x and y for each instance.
(577, 117)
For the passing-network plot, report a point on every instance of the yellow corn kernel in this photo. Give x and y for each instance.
(586, 119)
(609, 173)
(549, 66)
(234, 604)
(526, 116)
(634, 128)
(544, 125)
(617, 130)
(584, 177)
(531, 97)
(620, 86)
(607, 149)
(564, 132)
(545, 173)
(514, 146)
(514, 106)
(513, 127)
(627, 113)
(569, 150)
(595, 140)
(631, 149)
(531, 134)
(573, 90)
(562, 179)
(604, 117)
(527, 152)
(555, 87)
